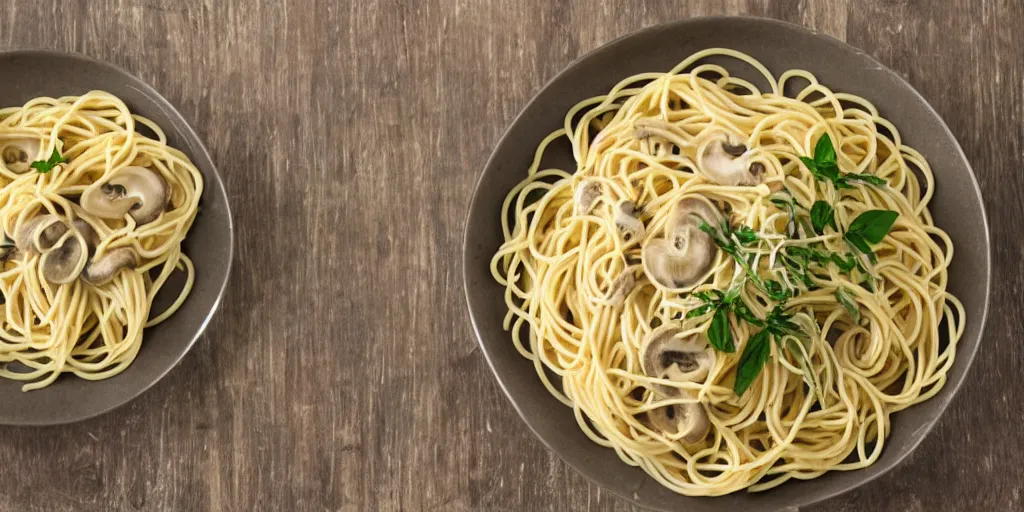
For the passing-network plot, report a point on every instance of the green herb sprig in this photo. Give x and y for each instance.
(723, 238)
(45, 166)
(777, 326)
(719, 333)
(849, 305)
(823, 165)
(870, 227)
(822, 215)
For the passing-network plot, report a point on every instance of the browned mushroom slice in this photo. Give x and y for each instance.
(666, 356)
(688, 420)
(7, 249)
(630, 228)
(63, 264)
(40, 233)
(136, 191)
(585, 198)
(101, 270)
(620, 288)
(686, 254)
(647, 127)
(87, 232)
(726, 161)
(17, 154)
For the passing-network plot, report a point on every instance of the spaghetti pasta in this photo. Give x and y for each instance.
(734, 287)
(94, 213)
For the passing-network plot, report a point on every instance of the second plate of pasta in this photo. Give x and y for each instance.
(117, 237)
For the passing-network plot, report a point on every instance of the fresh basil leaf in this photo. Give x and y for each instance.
(734, 291)
(746, 235)
(797, 265)
(775, 290)
(873, 225)
(830, 171)
(720, 334)
(848, 303)
(752, 361)
(45, 166)
(858, 242)
(845, 264)
(810, 164)
(780, 323)
(720, 240)
(740, 309)
(809, 377)
(822, 215)
(868, 283)
(825, 167)
(824, 151)
(867, 178)
(700, 311)
(824, 172)
(841, 182)
(729, 247)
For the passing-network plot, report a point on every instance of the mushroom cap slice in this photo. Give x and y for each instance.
(92, 239)
(63, 264)
(620, 288)
(631, 229)
(137, 191)
(101, 270)
(688, 420)
(586, 196)
(725, 161)
(686, 255)
(7, 249)
(40, 233)
(665, 356)
(18, 154)
(692, 210)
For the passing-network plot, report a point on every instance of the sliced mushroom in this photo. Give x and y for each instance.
(63, 264)
(680, 360)
(7, 249)
(631, 229)
(682, 259)
(586, 196)
(646, 127)
(725, 161)
(92, 239)
(688, 420)
(40, 233)
(620, 288)
(101, 270)
(18, 154)
(137, 191)
(693, 210)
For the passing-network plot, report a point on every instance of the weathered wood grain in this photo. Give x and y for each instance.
(341, 374)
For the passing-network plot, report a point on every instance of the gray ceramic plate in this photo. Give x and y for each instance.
(29, 74)
(957, 208)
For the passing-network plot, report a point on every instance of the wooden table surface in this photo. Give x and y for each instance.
(341, 373)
